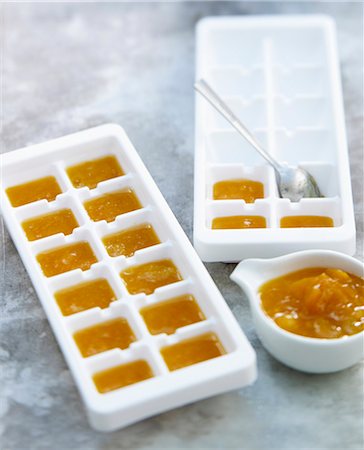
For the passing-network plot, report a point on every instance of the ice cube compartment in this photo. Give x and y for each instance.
(76, 306)
(280, 74)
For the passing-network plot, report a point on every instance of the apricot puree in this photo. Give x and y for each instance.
(148, 277)
(44, 188)
(95, 293)
(109, 206)
(247, 190)
(316, 302)
(168, 316)
(104, 336)
(236, 222)
(306, 221)
(90, 173)
(62, 221)
(120, 376)
(65, 258)
(192, 351)
(127, 242)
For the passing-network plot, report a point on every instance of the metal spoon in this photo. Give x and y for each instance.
(293, 183)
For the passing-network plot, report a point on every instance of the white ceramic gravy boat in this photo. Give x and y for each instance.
(302, 353)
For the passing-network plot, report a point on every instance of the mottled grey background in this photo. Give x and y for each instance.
(69, 66)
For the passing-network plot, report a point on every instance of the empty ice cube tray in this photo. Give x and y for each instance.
(123, 376)
(280, 74)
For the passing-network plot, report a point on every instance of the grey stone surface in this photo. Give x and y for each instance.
(69, 66)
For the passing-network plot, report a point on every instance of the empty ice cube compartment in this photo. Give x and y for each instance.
(227, 147)
(238, 82)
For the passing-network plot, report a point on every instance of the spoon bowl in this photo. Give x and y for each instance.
(303, 182)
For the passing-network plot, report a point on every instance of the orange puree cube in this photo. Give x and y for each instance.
(168, 316)
(127, 242)
(44, 188)
(66, 258)
(123, 375)
(62, 221)
(91, 294)
(109, 206)
(237, 222)
(192, 351)
(104, 336)
(146, 278)
(247, 190)
(306, 221)
(90, 173)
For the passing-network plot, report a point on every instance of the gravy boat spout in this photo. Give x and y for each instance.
(249, 274)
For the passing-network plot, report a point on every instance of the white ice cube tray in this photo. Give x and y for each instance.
(166, 389)
(280, 75)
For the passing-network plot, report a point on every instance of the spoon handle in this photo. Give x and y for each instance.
(211, 96)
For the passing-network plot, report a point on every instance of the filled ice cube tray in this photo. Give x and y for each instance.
(280, 75)
(137, 316)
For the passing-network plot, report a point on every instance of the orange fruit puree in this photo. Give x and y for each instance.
(148, 277)
(109, 206)
(65, 258)
(168, 316)
(306, 221)
(192, 351)
(123, 375)
(316, 302)
(236, 222)
(43, 188)
(247, 190)
(104, 336)
(127, 242)
(84, 296)
(90, 173)
(62, 221)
